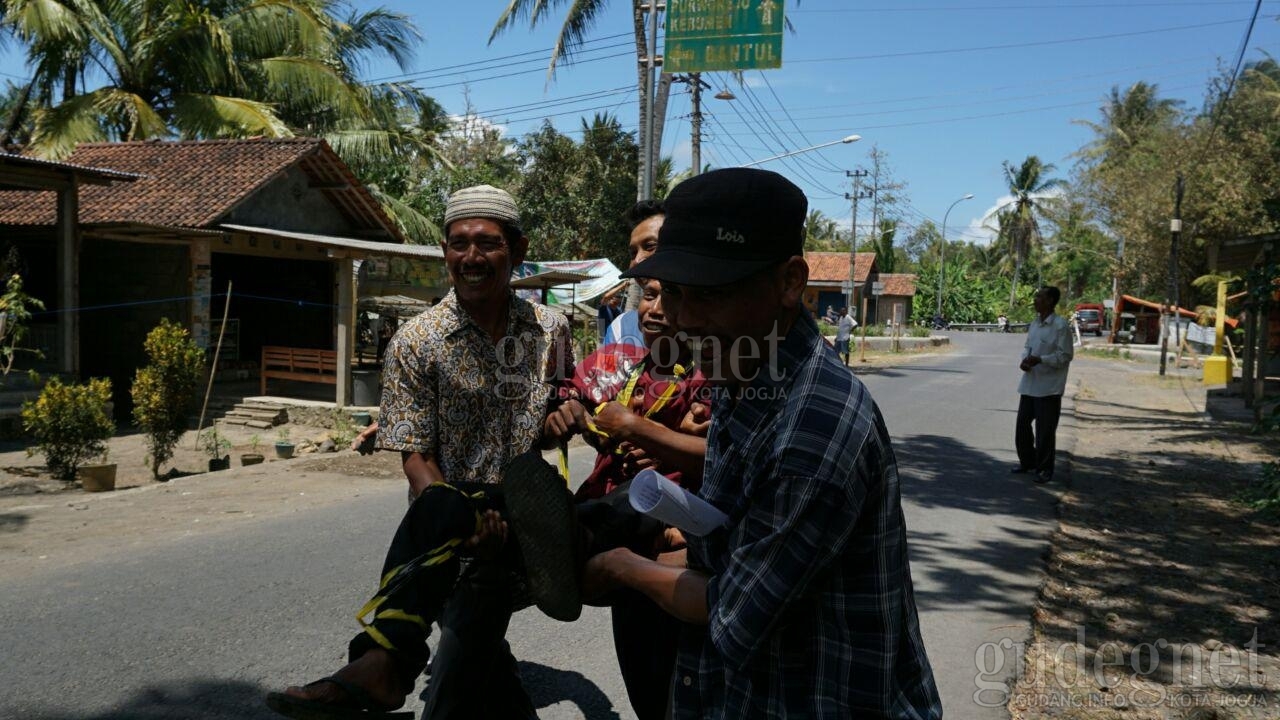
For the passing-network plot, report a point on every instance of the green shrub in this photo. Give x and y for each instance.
(70, 424)
(165, 390)
(920, 331)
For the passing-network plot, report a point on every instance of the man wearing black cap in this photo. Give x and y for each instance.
(802, 604)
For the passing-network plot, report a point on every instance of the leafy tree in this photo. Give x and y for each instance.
(574, 195)
(922, 242)
(1229, 155)
(886, 253)
(820, 233)
(1083, 257)
(164, 390)
(1127, 119)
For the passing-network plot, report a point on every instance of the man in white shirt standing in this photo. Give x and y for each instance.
(844, 332)
(1045, 358)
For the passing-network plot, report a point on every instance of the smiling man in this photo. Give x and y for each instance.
(802, 604)
(466, 387)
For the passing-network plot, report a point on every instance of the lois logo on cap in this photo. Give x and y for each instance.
(729, 236)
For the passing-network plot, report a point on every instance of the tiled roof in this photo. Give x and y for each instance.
(194, 183)
(96, 174)
(898, 283)
(833, 267)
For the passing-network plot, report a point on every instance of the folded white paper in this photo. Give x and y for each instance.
(656, 496)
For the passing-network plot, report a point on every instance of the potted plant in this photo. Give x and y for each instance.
(253, 457)
(214, 443)
(70, 424)
(284, 446)
(98, 477)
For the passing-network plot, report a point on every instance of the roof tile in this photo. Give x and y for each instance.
(186, 184)
(898, 283)
(828, 267)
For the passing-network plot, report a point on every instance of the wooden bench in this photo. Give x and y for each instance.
(303, 364)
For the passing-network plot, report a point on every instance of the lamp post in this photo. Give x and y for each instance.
(844, 140)
(942, 251)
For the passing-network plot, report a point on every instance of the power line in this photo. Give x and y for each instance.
(1235, 74)
(539, 53)
(514, 74)
(1001, 8)
(983, 102)
(1014, 46)
(787, 113)
(798, 167)
(594, 95)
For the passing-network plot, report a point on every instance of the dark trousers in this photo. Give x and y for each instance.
(645, 638)
(475, 674)
(1036, 450)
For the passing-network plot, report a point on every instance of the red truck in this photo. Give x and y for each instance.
(1091, 317)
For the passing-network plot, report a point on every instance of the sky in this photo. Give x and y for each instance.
(947, 89)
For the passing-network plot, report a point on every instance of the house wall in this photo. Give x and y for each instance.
(125, 289)
(289, 203)
(275, 301)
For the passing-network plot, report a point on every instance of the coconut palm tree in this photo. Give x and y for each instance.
(1034, 198)
(579, 18)
(169, 68)
(1126, 118)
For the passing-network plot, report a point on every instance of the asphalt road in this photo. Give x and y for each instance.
(202, 627)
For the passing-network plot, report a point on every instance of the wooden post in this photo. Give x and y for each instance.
(1250, 356)
(69, 280)
(862, 352)
(346, 328)
(1261, 362)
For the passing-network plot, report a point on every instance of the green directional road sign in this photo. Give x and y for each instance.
(706, 35)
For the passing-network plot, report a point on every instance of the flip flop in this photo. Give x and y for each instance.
(358, 705)
(542, 517)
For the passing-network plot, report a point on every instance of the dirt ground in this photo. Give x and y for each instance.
(1161, 598)
(23, 474)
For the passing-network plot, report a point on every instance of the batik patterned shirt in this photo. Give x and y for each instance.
(450, 392)
(810, 604)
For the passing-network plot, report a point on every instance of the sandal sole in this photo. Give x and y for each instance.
(540, 508)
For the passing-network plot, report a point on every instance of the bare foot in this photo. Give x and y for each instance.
(374, 672)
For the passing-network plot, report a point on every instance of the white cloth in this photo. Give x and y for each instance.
(845, 328)
(1049, 340)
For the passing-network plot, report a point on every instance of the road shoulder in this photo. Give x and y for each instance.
(1160, 598)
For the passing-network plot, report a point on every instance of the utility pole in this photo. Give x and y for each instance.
(1171, 296)
(696, 86)
(857, 194)
(649, 93)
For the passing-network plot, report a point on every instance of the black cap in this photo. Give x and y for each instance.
(725, 225)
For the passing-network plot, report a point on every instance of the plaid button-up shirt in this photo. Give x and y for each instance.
(810, 602)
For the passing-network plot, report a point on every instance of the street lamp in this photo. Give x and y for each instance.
(845, 140)
(942, 252)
